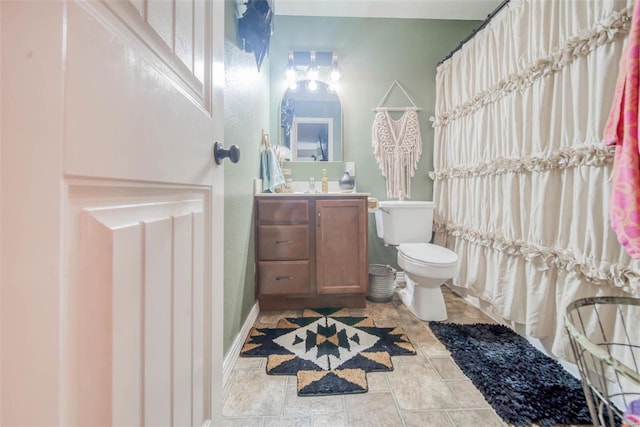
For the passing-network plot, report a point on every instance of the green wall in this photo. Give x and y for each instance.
(246, 110)
(372, 54)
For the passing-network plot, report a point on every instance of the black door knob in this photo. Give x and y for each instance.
(219, 153)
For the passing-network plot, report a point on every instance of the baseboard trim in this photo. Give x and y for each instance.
(236, 347)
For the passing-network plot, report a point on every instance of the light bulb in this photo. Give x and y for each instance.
(290, 72)
(293, 86)
(312, 85)
(334, 72)
(312, 72)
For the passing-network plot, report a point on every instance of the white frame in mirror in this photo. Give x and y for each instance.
(309, 148)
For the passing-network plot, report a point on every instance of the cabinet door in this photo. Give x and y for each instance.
(341, 246)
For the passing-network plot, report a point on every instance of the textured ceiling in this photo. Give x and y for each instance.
(421, 9)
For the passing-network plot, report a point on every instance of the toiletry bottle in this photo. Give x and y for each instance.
(325, 181)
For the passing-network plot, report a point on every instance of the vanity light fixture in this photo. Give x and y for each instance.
(318, 66)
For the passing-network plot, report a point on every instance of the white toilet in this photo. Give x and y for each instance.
(408, 224)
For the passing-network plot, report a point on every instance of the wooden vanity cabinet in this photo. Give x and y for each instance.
(311, 252)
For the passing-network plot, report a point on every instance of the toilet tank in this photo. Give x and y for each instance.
(404, 221)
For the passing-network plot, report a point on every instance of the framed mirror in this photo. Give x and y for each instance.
(311, 123)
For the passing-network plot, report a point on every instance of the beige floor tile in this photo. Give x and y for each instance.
(287, 422)
(242, 422)
(464, 317)
(476, 417)
(377, 381)
(292, 380)
(332, 420)
(419, 357)
(426, 419)
(372, 409)
(433, 349)
(448, 293)
(382, 312)
(249, 362)
(447, 368)
(358, 312)
(411, 320)
(417, 332)
(466, 394)
(271, 318)
(254, 393)
(419, 387)
(310, 405)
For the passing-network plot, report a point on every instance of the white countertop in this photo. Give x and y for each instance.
(297, 194)
(300, 188)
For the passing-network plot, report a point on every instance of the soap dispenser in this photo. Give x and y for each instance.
(325, 181)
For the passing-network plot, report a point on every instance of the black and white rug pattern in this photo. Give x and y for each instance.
(329, 351)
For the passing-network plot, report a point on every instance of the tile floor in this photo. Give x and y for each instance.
(423, 390)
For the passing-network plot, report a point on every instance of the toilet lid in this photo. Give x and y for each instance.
(427, 253)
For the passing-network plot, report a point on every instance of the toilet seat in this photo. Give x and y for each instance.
(428, 255)
(426, 262)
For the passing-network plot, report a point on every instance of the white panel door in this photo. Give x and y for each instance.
(111, 266)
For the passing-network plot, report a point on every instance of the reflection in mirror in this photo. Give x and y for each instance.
(311, 123)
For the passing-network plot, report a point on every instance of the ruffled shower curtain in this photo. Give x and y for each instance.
(521, 175)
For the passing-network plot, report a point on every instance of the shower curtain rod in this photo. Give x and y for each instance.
(475, 30)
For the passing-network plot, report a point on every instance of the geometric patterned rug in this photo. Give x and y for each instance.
(329, 351)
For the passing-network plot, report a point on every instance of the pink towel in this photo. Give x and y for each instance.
(622, 130)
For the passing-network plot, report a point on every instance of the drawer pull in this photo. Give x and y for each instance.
(284, 242)
(284, 277)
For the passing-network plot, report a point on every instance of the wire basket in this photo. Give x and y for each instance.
(605, 339)
(381, 282)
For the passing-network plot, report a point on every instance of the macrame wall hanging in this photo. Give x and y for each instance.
(397, 145)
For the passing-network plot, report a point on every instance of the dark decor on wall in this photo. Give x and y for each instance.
(255, 28)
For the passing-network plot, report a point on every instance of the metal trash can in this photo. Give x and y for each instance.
(381, 282)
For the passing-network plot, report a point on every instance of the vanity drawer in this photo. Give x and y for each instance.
(282, 242)
(276, 211)
(284, 277)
